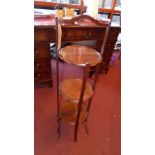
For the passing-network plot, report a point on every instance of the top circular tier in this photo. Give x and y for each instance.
(80, 55)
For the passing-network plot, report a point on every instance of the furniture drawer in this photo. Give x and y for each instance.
(42, 76)
(83, 34)
(42, 64)
(42, 51)
(41, 34)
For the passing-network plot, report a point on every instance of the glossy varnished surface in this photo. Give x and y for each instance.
(68, 113)
(71, 88)
(84, 20)
(80, 55)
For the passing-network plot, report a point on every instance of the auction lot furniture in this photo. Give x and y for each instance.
(74, 94)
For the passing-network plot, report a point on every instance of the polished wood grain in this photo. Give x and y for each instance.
(86, 20)
(80, 55)
(71, 88)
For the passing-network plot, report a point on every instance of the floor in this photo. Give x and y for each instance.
(104, 121)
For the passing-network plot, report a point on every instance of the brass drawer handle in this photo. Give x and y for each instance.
(38, 77)
(68, 35)
(90, 34)
(84, 35)
(37, 66)
(36, 52)
(87, 35)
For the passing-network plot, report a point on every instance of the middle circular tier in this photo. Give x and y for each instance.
(80, 55)
(70, 89)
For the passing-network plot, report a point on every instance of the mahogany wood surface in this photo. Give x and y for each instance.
(68, 112)
(70, 89)
(81, 55)
(72, 30)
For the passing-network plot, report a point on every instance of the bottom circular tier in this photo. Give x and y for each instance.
(68, 112)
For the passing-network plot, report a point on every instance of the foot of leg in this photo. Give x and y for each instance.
(86, 127)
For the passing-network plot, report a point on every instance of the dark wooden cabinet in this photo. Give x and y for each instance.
(42, 58)
(109, 48)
